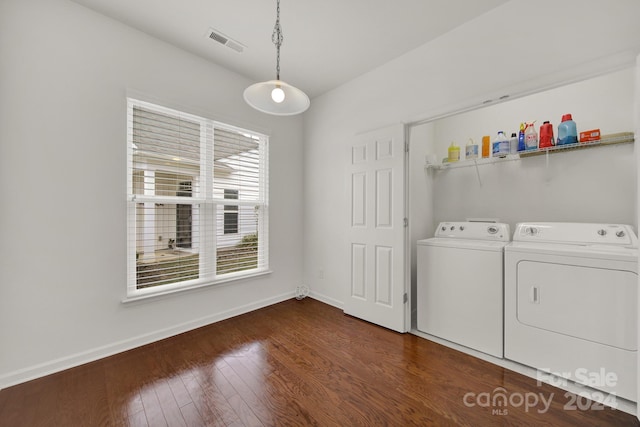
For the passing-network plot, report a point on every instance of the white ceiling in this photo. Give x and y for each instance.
(326, 42)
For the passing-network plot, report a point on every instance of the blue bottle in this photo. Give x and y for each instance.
(521, 145)
(567, 132)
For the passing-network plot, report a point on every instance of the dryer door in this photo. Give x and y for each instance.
(571, 300)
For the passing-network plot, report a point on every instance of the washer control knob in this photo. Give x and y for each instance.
(444, 228)
(492, 229)
(453, 227)
(602, 232)
(531, 231)
(620, 233)
(462, 228)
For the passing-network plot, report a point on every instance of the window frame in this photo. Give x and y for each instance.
(205, 199)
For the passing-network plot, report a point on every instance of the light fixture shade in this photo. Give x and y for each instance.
(259, 97)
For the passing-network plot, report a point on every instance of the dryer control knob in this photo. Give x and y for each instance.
(462, 228)
(602, 232)
(492, 229)
(453, 227)
(444, 228)
(620, 233)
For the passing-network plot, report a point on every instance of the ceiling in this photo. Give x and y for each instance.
(326, 42)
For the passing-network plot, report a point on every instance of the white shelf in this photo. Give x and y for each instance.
(618, 138)
(473, 162)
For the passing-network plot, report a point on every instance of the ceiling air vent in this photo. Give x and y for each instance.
(217, 36)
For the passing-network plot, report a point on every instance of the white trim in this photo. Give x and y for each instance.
(327, 300)
(591, 69)
(57, 365)
(140, 294)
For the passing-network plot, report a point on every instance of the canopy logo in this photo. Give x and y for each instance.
(500, 400)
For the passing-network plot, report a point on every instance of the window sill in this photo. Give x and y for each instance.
(162, 293)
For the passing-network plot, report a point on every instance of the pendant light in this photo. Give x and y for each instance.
(275, 96)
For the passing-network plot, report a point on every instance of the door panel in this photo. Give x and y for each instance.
(384, 198)
(359, 201)
(384, 275)
(358, 271)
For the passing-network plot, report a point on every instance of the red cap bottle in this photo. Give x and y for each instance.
(546, 134)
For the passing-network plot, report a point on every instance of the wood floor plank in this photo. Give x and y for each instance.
(152, 407)
(138, 419)
(206, 405)
(191, 415)
(123, 384)
(82, 395)
(297, 363)
(180, 393)
(168, 404)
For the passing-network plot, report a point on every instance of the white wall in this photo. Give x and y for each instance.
(65, 72)
(483, 59)
(592, 185)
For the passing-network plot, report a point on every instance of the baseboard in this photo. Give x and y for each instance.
(327, 300)
(61, 364)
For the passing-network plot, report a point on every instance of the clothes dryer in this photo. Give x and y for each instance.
(460, 284)
(571, 302)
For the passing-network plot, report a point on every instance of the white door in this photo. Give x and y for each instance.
(377, 229)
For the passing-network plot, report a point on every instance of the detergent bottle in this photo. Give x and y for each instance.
(567, 132)
(454, 153)
(486, 143)
(513, 143)
(546, 135)
(500, 145)
(471, 150)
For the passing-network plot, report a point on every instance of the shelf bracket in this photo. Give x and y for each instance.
(546, 163)
(478, 172)
(547, 159)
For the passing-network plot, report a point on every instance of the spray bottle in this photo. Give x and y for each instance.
(531, 136)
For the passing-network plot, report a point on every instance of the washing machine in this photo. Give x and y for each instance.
(571, 303)
(460, 284)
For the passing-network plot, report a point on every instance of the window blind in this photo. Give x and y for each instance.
(197, 200)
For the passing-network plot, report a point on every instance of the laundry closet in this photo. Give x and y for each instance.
(587, 184)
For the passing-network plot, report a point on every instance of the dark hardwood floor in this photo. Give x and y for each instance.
(298, 363)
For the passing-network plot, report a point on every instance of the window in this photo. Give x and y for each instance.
(197, 200)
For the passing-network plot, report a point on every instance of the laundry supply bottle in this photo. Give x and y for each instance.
(454, 153)
(531, 137)
(567, 132)
(546, 135)
(513, 143)
(500, 145)
(521, 145)
(471, 150)
(486, 146)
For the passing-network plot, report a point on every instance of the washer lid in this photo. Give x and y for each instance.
(480, 245)
(495, 231)
(573, 233)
